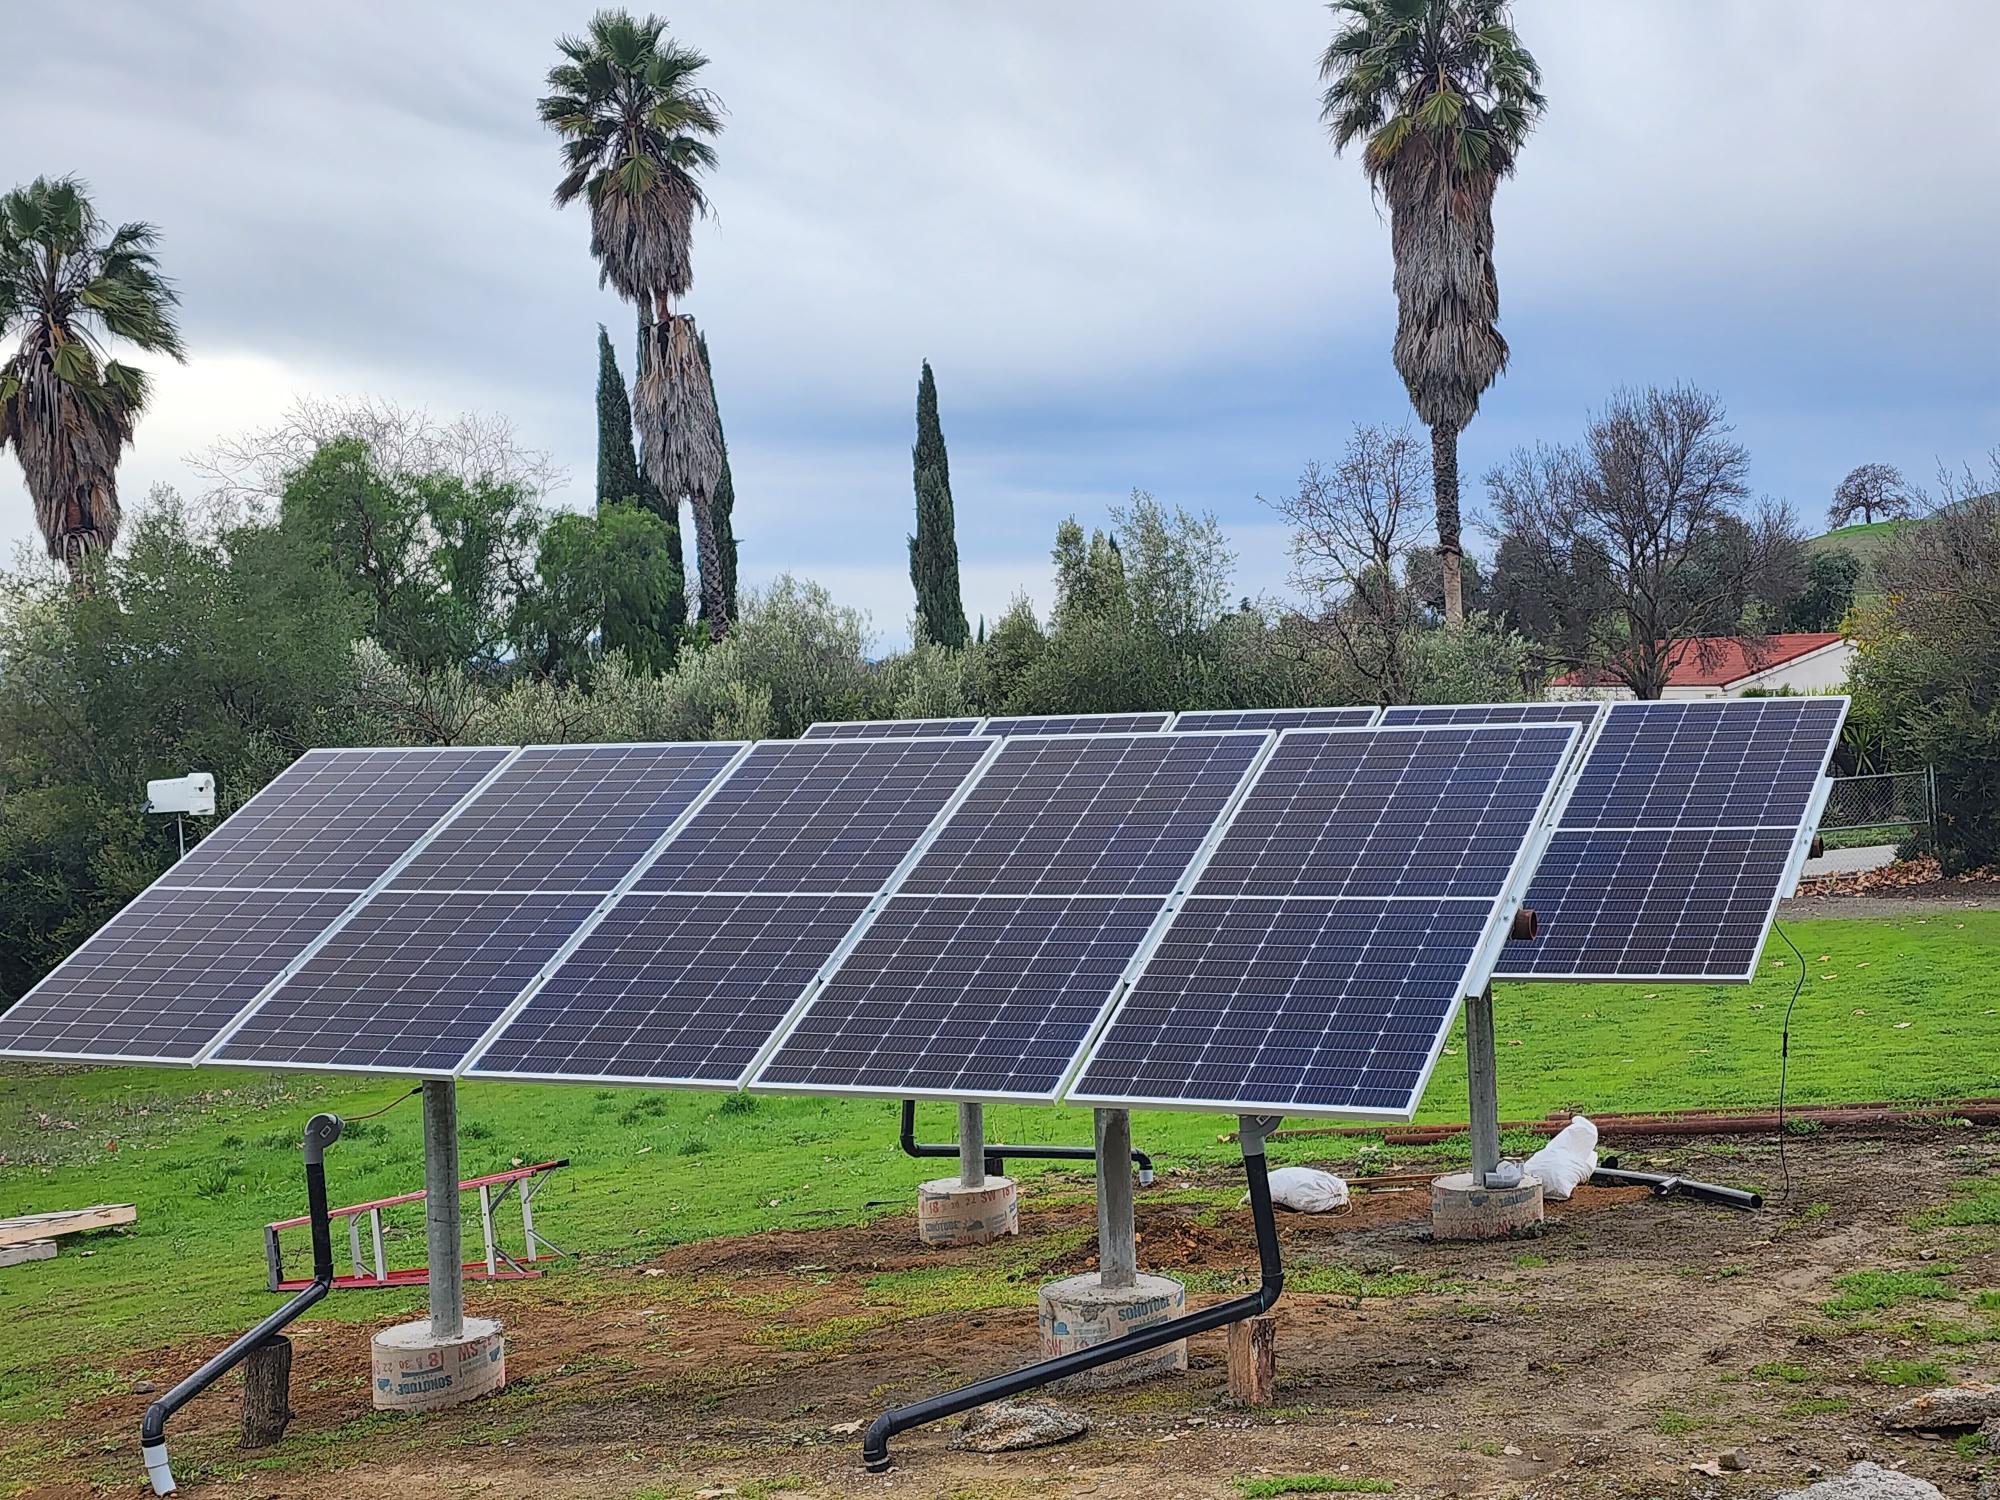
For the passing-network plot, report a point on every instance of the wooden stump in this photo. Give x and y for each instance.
(1253, 1361)
(267, 1392)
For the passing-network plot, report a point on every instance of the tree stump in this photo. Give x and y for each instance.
(1253, 1361)
(267, 1392)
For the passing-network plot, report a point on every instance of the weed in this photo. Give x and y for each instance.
(1675, 1423)
(216, 1180)
(1815, 1211)
(1531, 1262)
(1804, 1125)
(1345, 1281)
(1310, 1484)
(1904, 1371)
(1974, 1201)
(475, 1130)
(1777, 1369)
(1988, 1301)
(1818, 1406)
(691, 1145)
(1866, 1291)
(230, 1142)
(739, 1103)
(1969, 1445)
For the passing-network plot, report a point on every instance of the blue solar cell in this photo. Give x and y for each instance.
(674, 989)
(1282, 1005)
(160, 981)
(410, 984)
(1653, 904)
(833, 816)
(1582, 714)
(1110, 815)
(335, 819)
(1434, 812)
(1274, 718)
(859, 729)
(964, 998)
(565, 818)
(1077, 724)
(1744, 763)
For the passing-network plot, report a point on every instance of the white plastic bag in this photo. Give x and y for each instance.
(1308, 1190)
(1567, 1161)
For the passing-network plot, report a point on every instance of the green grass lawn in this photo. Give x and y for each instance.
(1891, 1009)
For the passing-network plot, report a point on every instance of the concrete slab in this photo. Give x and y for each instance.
(1851, 861)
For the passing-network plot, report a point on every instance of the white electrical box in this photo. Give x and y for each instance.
(193, 793)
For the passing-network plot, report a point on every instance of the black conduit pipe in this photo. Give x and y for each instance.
(875, 1447)
(321, 1131)
(996, 1156)
(1665, 1186)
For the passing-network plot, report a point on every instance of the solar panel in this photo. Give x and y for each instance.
(857, 729)
(832, 816)
(1290, 1006)
(335, 819)
(1433, 812)
(1686, 827)
(673, 990)
(1076, 724)
(1274, 718)
(565, 818)
(1581, 714)
(963, 998)
(410, 984)
(160, 980)
(1361, 889)
(1105, 815)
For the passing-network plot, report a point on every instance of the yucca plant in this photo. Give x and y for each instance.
(635, 127)
(66, 406)
(1442, 95)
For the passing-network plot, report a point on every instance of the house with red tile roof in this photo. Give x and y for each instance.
(1725, 666)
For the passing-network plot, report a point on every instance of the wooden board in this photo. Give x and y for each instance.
(30, 1227)
(13, 1255)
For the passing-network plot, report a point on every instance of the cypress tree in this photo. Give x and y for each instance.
(934, 549)
(722, 505)
(668, 509)
(617, 465)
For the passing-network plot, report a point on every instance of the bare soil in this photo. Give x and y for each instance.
(1603, 1358)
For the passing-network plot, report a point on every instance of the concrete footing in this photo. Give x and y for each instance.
(1080, 1312)
(950, 1213)
(416, 1371)
(1463, 1209)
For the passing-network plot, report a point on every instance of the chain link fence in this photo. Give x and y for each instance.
(1892, 800)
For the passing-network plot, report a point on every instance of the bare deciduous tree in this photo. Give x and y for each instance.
(249, 471)
(1646, 520)
(1353, 528)
(1870, 491)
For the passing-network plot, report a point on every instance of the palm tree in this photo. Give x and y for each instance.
(1444, 95)
(634, 122)
(65, 405)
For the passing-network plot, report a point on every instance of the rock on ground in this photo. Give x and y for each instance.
(1948, 1406)
(1006, 1425)
(1867, 1482)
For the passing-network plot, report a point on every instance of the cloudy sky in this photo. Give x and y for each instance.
(1115, 229)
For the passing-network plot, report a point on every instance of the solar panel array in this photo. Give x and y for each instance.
(951, 908)
(984, 974)
(1350, 905)
(1687, 825)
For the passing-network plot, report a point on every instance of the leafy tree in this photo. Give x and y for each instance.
(1868, 491)
(635, 125)
(1642, 532)
(1444, 96)
(1928, 670)
(611, 569)
(723, 506)
(934, 548)
(1831, 576)
(66, 406)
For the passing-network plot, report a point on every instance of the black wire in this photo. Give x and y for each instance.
(352, 1119)
(1785, 1058)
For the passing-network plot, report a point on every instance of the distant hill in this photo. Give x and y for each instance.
(1865, 542)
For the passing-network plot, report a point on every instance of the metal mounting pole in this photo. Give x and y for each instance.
(1117, 1235)
(972, 1145)
(1482, 1084)
(441, 1228)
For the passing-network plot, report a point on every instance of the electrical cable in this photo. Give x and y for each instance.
(408, 1094)
(1785, 1058)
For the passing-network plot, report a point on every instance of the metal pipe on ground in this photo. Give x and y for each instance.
(996, 1156)
(321, 1131)
(875, 1447)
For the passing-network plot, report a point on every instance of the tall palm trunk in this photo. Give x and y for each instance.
(1444, 484)
(674, 409)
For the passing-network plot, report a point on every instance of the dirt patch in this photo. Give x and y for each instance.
(1600, 1359)
(1894, 890)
